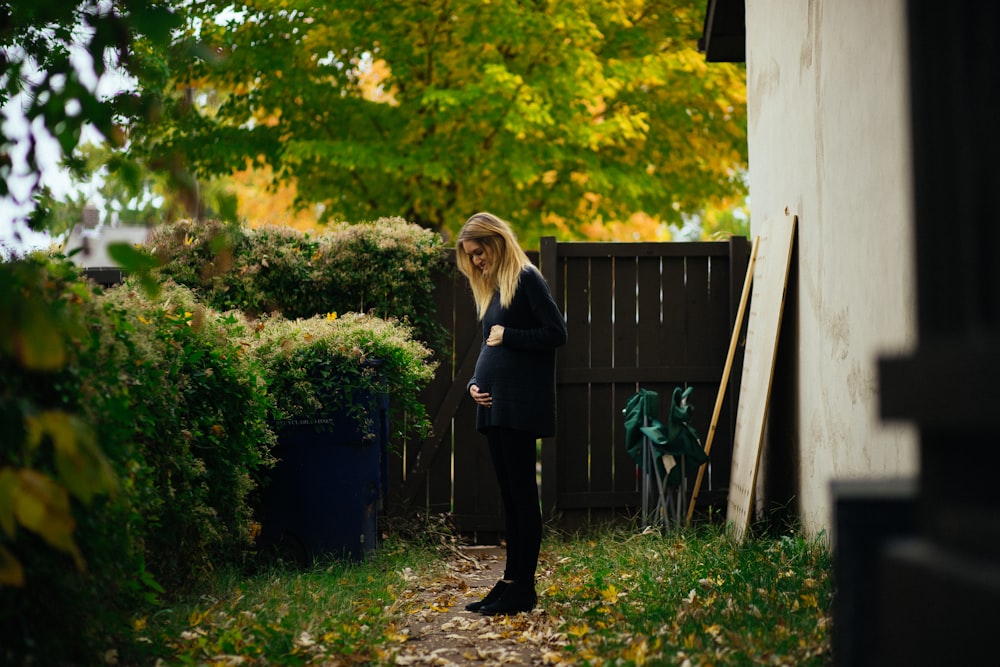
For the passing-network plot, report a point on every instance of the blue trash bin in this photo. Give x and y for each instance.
(323, 496)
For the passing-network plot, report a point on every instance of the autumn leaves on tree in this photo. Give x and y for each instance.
(576, 118)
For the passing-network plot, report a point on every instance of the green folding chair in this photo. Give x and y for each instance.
(665, 455)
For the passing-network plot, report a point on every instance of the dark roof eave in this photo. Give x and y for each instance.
(724, 36)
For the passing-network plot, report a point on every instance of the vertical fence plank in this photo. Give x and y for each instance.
(649, 324)
(626, 362)
(625, 313)
(674, 331)
(624, 484)
(602, 409)
(549, 265)
(707, 310)
(574, 398)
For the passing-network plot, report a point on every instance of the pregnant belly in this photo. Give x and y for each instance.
(495, 365)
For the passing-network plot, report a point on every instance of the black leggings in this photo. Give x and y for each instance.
(513, 454)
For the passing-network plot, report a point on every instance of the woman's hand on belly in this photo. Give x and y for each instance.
(483, 398)
(496, 336)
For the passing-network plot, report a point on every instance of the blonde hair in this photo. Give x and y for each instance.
(496, 235)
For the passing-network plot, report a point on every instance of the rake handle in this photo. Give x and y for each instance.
(747, 282)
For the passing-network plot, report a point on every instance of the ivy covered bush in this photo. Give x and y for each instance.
(384, 267)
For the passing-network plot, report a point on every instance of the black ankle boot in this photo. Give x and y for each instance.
(517, 598)
(491, 597)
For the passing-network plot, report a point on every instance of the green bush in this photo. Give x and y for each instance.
(135, 427)
(385, 267)
(195, 410)
(57, 563)
(156, 398)
(322, 365)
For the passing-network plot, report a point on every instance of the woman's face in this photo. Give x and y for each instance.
(479, 255)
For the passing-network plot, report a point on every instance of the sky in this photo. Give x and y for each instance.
(10, 210)
(15, 126)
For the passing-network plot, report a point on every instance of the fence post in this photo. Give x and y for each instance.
(548, 264)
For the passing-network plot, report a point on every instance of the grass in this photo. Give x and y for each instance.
(694, 597)
(614, 597)
(284, 615)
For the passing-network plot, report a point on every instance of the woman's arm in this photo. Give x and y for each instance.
(551, 330)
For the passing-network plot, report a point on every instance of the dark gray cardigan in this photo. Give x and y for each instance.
(520, 373)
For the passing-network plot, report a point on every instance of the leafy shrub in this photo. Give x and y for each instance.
(155, 398)
(53, 475)
(141, 423)
(195, 408)
(321, 365)
(385, 267)
(203, 256)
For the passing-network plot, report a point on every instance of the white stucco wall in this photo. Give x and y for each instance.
(829, 140)
(95, 242)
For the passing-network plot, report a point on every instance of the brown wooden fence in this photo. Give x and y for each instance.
(649, 315)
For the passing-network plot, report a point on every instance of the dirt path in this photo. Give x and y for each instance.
(441, 632)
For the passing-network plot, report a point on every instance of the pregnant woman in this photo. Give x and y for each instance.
(514, 389)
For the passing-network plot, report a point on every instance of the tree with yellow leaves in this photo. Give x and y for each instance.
(568, 117)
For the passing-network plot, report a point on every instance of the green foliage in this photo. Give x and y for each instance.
(557, 113)
(202, 257)
(34, 330)
(694, 595)
(137, 422)
(334, 613)
(385, 267)
(328, 364)
(194, 409)
(53, 476)
(43, 308)
(56, 97)
(128, 459)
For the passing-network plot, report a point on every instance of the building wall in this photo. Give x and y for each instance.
(829, 141)
(93, 243)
